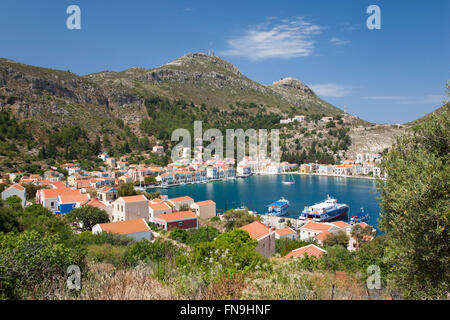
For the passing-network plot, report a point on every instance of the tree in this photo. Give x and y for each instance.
(361, 234)
(150, 180)
(127, 189)
(339, 238)
(88, 216)
(238, 218)
(415, 208)
(8, 220)
(35, 265)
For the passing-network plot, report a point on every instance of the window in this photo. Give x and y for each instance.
(180, 224)
(52, 204)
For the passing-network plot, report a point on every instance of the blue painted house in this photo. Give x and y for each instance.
(69, 201)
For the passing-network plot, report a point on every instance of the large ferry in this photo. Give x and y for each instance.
(324, 211)
(279, 208)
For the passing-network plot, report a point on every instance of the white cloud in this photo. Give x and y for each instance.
(338, 42)
(287, 38)
(425, 99)
(331, 90)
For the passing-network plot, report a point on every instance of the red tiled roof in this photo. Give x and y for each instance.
(256, 229)
(174, 216)
(125, 227)
(310, 250)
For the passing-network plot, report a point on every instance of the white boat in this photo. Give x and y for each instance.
(290, 181)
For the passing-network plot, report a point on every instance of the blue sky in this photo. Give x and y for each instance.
(392, 75)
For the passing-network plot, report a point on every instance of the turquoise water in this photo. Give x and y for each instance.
(257, 192)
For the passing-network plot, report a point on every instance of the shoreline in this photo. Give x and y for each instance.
(265, 174)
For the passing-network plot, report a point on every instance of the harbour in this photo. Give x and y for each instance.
(259, 191)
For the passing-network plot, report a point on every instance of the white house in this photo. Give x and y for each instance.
(285, 233)
(130, 208)
(15, 190)
(299, 118)
(157, 207)
(137, 229)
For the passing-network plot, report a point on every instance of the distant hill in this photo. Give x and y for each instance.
(46, 99)
(129, 110)
(209, 80)
(437, 111)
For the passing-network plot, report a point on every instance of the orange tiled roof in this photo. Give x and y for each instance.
(316, 226)
(363, 224)
(94, 203)
(340, 224)
(59, 184)
(54, 193)
(125, 227)
(310, 250)
(179, 199)
(16, 186)
(285, 231)
(205, 203)
(134, 198)
(158, 206)
(73, 197)
(174, 216)
(323, 235)
(256, 229)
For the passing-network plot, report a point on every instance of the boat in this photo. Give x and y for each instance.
(290, 181)
(361, 217)
(279, 207)
(324, 211)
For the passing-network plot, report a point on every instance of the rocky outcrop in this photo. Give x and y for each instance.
(294, 84)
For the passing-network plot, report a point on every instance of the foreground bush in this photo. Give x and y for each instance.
(34, 265)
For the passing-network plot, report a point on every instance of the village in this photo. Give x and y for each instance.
(133, 215)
